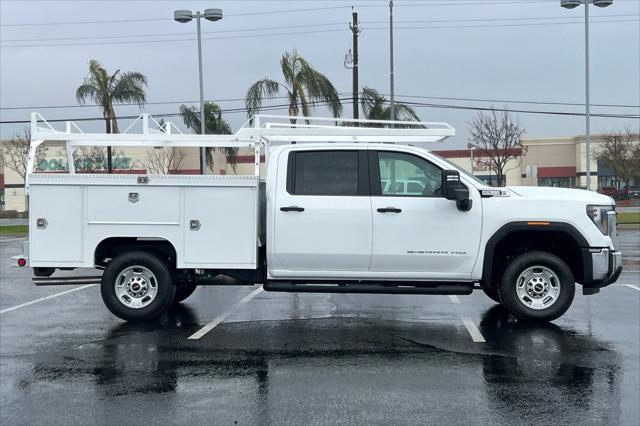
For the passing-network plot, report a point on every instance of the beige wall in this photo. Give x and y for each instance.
(548, 152)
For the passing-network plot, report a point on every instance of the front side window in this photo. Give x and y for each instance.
(323, 173)
(408, 175)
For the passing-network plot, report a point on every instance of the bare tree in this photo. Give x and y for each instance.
(94, 159)
(499, 139)
(163, 160)
(15, 154)
(621, 152)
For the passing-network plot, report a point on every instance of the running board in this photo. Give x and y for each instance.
(457, 288)
(39, 281)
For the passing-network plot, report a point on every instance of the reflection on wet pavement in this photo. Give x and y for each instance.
(327, 370)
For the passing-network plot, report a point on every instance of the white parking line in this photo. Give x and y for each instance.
(6, 240)
(475, 334)
(219, 319)
(42, 299)
(635, 287)
(454, 298)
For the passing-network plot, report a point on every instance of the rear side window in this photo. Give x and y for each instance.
(323, 173)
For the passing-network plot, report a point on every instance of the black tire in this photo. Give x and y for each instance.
(161, 283)
(565, 287)
(493, 294)
(183, 290)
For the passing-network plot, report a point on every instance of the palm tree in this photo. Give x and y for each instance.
(214, 124)
(105, 90)
(304, 86)
(376, 107)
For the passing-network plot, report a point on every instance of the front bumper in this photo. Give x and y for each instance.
(602, 267)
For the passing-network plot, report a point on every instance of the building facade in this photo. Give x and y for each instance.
(559, 162)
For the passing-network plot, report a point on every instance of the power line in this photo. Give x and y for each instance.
(170, 114)
(562, 113)
(122, 21)
(412, 104)
(489, 100)
(175, 34)
(268, 12)
(172, 40)
(280, 27)
(536, 18)
(529, 24)
(306, 32)
(512, 101)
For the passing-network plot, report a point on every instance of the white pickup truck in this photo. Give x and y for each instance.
(333, 214)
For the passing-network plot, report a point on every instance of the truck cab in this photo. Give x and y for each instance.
(338, 210)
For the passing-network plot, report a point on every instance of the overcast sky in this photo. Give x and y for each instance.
(500, 50)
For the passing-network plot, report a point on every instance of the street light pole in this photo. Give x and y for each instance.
(184, 16)
(570, 4)
(586, 100)
(203, 151)
(392, 112)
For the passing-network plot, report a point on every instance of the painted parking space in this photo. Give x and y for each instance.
(281, 358)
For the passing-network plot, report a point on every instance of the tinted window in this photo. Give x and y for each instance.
(408, 175)
(325, 173)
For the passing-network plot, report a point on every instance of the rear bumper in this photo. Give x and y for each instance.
(602, 267)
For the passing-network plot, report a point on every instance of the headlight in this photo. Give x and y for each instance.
(599, 216)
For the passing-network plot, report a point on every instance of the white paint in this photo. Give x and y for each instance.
(219, 319)
(42, 299)
(635, 287)
(454, 298)
(225, 206)
(475, 334)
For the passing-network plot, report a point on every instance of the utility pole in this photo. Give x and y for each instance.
(392, 109)
(356, 31)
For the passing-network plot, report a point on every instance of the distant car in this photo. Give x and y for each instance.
(403, 186)
(610, 191)
(631, 192)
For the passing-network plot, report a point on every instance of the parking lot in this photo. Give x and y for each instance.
(237, 355)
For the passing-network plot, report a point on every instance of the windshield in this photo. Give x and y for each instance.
(461, 170)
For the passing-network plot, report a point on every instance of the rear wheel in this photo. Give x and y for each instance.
(183, 290)
(137, 286)
(537, 286)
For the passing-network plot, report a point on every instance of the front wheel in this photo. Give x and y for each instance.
(492, 293)
(137, 286)
(537, 286)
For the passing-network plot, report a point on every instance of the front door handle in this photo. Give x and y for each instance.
(389, 210)
(292, 209)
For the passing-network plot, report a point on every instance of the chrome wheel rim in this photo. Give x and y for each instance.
(136, 287)
(538, 287)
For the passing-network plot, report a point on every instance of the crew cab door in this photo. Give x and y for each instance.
(417, 233)
(321, 214)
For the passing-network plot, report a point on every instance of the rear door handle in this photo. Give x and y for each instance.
(292, 209)
(389, 210)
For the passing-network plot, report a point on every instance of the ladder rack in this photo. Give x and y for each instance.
(257, 133)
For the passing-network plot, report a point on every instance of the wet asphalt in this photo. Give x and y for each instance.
(319, 359)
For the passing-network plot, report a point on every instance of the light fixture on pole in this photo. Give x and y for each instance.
(570, 4)
(184, 16)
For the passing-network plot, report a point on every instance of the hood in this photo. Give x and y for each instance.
(567, 194)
